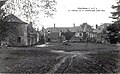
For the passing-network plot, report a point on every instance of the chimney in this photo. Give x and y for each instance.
(74, 25)
(37, 29)
(54, 25)
(96, 26)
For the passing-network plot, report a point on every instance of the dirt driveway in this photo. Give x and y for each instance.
(56, 58)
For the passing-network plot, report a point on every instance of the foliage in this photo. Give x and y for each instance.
(114, 28)
(68, 35)
(2, 14)
(5, 28)
(30, 9)
(113, 33)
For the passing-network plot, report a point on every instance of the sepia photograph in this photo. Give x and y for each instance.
(59, 36)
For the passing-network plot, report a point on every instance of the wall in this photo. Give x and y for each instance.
(18, 35)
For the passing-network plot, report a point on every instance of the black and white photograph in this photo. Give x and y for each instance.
(59, 36)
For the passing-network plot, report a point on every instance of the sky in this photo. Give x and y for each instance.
(76, 12)
(66, 17)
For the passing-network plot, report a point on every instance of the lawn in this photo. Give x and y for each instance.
(28, 60)
(43, 60)
(83, 47)
(99, 62)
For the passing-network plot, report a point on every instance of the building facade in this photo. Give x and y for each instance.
(82, 33)
(17, 31)
(20, 33)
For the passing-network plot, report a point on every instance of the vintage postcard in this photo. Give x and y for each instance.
(59, 36)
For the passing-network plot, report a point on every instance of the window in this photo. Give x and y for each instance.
(98, 28)
(18, 39)
(80, 34)
(77, 35)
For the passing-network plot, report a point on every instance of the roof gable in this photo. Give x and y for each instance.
(72, 29)
(12, 18)
(2, 2)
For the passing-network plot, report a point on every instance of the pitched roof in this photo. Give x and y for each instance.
(86, 27)
(57, 29)
(13, 18)
(2, 2)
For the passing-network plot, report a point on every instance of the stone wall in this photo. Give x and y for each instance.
(18, 35)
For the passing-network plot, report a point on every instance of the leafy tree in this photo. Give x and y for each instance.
(30, 9)
(3, 26)
(114, 29)
(113, 33)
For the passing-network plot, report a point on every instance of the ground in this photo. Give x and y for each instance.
(58, 58)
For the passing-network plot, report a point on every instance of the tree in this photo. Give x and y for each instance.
(114, 29)
(2, 14)
(68, 35)
(30, 9)
(113, 33)
(5, 28)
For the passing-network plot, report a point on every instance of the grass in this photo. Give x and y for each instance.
(40, 60)
(101, 62)
(83, 47)
(28, 61)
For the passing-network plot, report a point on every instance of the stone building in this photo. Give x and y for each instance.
(56, 30)
(81, 32)
(32, 35)
(18, 31)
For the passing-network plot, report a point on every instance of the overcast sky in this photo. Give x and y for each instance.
(72, 11)
(65, 16)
